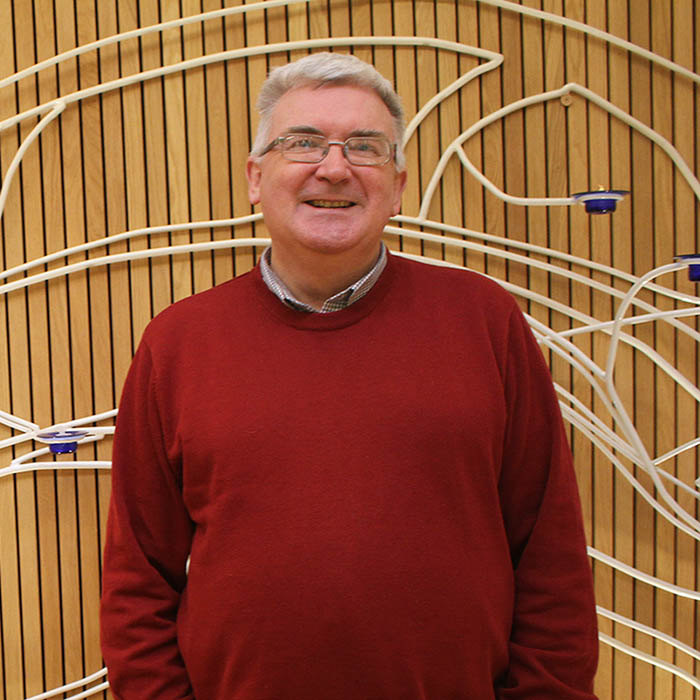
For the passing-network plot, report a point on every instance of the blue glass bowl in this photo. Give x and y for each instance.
(600, 201)
(693, 269)
(62, 441)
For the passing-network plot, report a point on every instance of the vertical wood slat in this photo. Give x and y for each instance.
(405, 76)
(256, 70)
(176, 161)
(535, 141)
(600, 234)
(686, 624)
(621, 671)
(58, 399)
(97, 368)
(197, 171)
(78, 340)
(116, 317)
(471, 109)
(492, 138)
(514, 148)
(37, 366)
(430, 132)
(385, 61)
(132, 98)
(17, 358)
(239, 128)
(581, 156)
(451, 125)
(643, 259)
(8, 560)
(218, 142)
(154, 277)
(664, 339)
(173, 149)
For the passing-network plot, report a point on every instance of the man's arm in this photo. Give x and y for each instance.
(148, 540)
(553, 643)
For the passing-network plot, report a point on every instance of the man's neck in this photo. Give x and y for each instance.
(315, 280)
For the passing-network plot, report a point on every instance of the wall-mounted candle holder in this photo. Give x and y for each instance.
(62, 441)
(693, 268)
(600, 201)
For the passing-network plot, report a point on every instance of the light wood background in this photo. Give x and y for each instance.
(172, 150)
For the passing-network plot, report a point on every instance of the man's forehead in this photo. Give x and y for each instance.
(350, 109)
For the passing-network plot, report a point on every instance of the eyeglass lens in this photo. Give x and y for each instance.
(359, 150)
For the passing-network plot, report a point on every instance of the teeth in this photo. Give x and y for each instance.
(329, 204)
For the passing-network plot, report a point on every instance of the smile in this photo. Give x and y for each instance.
(330, 204)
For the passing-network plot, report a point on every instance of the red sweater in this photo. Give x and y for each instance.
(378, 503)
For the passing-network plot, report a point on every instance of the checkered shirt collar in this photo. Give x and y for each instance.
(338, 301)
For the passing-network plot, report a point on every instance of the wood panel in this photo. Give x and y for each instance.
(172, 150)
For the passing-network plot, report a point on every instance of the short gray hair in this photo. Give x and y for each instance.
(323, 69)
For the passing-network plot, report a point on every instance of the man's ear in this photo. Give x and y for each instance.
(253, 173)
(399, 186)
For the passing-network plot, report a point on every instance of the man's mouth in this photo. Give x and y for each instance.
(330, 203)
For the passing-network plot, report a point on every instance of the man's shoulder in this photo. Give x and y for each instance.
(203, 309)
(452, 285)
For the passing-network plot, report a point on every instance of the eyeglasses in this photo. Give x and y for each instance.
(313, 148)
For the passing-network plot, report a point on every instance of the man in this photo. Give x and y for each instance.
(342, 476)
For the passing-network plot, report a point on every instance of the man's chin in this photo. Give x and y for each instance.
(333, 236)
(342, 242)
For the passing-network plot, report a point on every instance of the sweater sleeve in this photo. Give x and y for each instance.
(553, 646)
(147, 544)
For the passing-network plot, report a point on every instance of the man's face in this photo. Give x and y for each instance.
(332, 206)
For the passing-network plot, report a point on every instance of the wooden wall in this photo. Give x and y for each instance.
(171, 150)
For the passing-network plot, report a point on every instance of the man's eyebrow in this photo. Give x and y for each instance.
(305, 129)
(367, 132)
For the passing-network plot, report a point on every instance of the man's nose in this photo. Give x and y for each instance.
(334, 167)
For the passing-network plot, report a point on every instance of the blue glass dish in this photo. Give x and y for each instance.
(600, 201)
(693, 268)
(62, 441)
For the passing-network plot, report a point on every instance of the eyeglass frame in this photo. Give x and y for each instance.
(343, 144)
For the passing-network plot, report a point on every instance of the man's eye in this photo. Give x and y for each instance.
(303, 143)
(364, 146)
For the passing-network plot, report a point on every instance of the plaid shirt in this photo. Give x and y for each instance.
(338, 301)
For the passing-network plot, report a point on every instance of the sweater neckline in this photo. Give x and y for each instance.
(304, 320)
